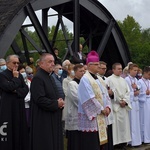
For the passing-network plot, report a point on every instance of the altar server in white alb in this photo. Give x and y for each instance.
(121, 107)
(134, 113)
(144, 99)
(71, 118)
(93, 106)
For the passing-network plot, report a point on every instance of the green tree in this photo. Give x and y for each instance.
(137, 40)
(60, 42)
(146, 35)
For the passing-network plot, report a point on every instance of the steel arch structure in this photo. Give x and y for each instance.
(91, 20)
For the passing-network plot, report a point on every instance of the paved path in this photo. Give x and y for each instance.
(142, 147)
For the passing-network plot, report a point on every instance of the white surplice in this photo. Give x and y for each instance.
(71, 118)
(121, 125)
(65, 88)
(144, 110)
(110, 119)
(87, 115)
(134, 113)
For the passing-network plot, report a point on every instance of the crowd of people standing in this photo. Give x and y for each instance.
(39, 106)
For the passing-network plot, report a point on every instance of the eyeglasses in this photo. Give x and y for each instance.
(16, 63)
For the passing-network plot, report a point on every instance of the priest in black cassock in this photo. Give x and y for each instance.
(46, 108)
(13, 125)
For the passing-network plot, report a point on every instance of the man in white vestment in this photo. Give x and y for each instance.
(121, 107)
(144, 99)
(134, 113)
(93, 106)
(102, 71)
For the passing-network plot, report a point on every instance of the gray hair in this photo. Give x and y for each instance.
(42, 57)
(9, 57)
(2, 60)
(29, 69)
(64, 62)
(37, 62)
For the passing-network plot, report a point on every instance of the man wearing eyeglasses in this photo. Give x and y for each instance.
(93, 106)
(13, 125)
(57, 76)
(101, 73)
(102, 70)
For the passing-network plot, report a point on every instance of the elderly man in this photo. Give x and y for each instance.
(65, 65)
(57, 76)
(93, 106)
(2, 65)
(46, 108)
(13, 125)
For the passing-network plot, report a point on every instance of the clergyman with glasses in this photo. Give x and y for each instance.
(93, 106)
(13, 125)
(110, 120)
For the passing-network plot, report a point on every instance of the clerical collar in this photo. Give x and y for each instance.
(102, 77)
(76, 80)
(44, 71)
(9, 69)
(93, 75)
(50, 73)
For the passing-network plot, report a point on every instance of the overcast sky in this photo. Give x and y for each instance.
(138, 9)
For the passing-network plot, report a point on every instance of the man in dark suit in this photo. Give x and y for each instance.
(46, 108)
(13, 125)
(79, 57)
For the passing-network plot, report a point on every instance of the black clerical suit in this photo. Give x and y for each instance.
(13, 125)
(46, 125)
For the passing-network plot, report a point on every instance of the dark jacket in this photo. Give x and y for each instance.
(76, 59)
(12, 112)
(46, 127)
(58, 82)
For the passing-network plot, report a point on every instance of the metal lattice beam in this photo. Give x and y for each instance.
(39, 29)
(105, 38)
(91, 20)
